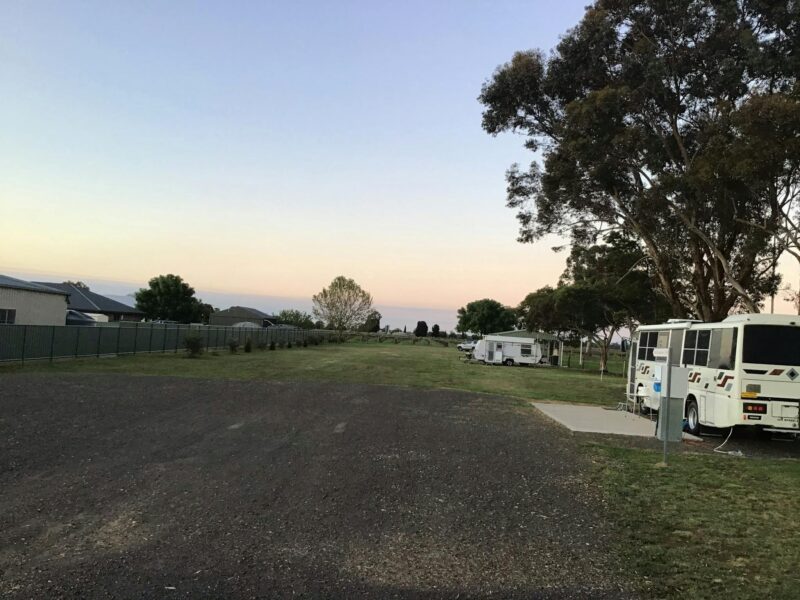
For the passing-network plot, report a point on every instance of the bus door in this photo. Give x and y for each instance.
(632, 369)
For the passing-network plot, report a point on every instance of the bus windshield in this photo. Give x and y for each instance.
(771, 345)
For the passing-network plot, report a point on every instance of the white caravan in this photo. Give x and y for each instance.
(507, 350)
(744, 370)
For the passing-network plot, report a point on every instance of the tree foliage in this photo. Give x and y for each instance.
(343, 304)
(297, 318)
(435, 331)
(169, 298)
(421, 330)
(620, 272)
(577, 310)
(675, 122)
(372, 322)
(485, 316)
(204, 312)
(605, 287)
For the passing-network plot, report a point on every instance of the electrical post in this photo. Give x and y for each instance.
(664, 404)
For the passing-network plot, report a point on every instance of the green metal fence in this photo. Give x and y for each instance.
(48, 342)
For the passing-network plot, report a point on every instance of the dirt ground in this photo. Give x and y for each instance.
(158, 487)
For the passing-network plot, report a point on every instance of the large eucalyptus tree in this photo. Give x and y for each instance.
(675, 121)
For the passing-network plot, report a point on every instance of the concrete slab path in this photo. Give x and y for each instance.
(596, 419)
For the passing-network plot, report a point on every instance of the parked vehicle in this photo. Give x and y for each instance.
(744, 370)
(466, 346)
(509, 351)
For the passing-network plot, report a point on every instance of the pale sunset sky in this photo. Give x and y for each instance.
(262, 148)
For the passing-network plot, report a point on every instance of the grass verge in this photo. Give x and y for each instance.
(356, 362)
(707, 525)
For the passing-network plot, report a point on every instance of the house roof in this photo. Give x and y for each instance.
(89, 302)
(523, 333)
(241, 311)
(29, 286)
(75, 317)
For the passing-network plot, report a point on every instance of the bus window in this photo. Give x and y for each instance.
(771, 345)
(663, 339)
(703, 344)
(722, 354)
(647, 342)
(695, 347)
(689, 347)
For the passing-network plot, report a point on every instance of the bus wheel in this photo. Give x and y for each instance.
(640, 401)
(692, 417)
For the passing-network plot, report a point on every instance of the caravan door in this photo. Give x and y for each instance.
(498, 352)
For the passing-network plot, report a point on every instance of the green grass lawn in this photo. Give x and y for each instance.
(362, 362)
(707, 526)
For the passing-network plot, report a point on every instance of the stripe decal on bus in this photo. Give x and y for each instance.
(724, 380)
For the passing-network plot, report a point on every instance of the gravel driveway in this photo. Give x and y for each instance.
(170, 488)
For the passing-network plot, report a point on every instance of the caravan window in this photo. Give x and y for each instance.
(525, 350)
(498, 346)
(695, 347)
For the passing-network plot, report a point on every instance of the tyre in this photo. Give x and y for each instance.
(692, 417)
(509, 362)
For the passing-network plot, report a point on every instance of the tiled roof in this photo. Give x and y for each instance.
(241, 311)
(29, 286)
(89, 302)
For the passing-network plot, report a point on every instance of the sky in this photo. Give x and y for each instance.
(260, 149)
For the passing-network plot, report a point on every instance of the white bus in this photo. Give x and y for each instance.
(744, 370)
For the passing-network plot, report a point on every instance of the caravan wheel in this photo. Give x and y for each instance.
(509, 362)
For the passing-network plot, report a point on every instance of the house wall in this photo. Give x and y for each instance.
(34, 308)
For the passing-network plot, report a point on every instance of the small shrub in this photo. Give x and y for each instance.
(288, 344)
(272, 345)
(214, 353)
(248, 345)
(194, 344)
(305, 344)
(233, 345)
(261, 345)
(281, 345)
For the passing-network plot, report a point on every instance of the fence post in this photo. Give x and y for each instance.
(177, 337)
(24, 339)
(164, 345)
(77, 340)
(150, 340)
(135, 337)
(119, 333)
(99, 335)
(52, 340)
